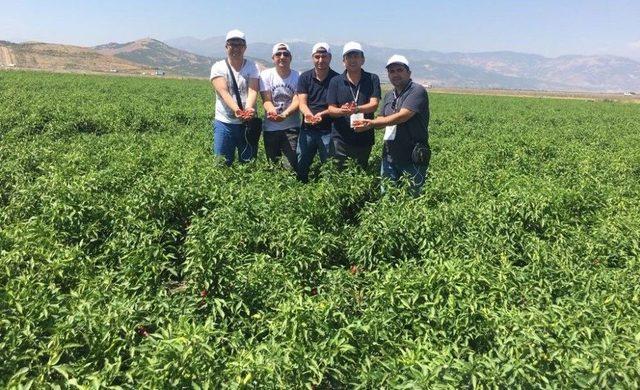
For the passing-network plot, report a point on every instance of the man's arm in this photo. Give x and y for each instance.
(267, 103)
(336, 112)
(293, 107)
(307, 114)
(332, 99)
(220, 85)
(302, 103)
(382, 121)
(369, 107)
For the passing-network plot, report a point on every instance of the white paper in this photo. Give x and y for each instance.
(356, 117)
(390, 133)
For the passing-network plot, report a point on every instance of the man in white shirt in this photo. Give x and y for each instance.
(234, 111)
(282, 122)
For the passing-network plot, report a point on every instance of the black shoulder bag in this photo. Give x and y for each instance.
(253, 127)
(421, 154)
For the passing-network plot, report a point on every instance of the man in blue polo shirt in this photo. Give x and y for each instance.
(405, 117)
(315, 133)
(352, 96)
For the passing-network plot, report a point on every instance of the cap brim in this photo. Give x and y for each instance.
(396, 63)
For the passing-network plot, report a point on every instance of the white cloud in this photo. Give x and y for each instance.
(635, 45)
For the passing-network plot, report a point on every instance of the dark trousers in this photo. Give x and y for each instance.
(279, 142)
(343, 151)
(311, 142)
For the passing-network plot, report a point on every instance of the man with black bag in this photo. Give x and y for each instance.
(405, 117)
(236, 83)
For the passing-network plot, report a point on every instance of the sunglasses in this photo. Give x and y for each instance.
(234, 44)
(283, 54)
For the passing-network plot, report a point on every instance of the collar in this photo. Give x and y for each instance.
(344, 76)
(329, 75)
(404, 90)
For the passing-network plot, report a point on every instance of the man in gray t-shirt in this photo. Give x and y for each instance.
(405, 117)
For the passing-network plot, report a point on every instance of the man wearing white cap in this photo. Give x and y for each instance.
(236, 82)
(315, 133)
(405, 117)
(278, 89)
(353, 95)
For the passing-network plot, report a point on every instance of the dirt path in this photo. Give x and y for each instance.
(6, 56)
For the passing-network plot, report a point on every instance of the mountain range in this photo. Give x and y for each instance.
(193, 57)
(487, 70)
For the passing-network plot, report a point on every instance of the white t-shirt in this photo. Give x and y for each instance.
(249, 71)
(282, 93)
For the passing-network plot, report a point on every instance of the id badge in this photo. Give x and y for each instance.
(356, 117)
(390, 133)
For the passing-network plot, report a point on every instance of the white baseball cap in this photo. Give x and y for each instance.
(279, 46)
(235, 34)
(321, 46)
(351, 46)
(398, 59)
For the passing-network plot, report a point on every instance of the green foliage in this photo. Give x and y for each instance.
(130, 257)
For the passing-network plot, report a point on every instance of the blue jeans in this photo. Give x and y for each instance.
(311, 142)
(416, 174)
(227, 137)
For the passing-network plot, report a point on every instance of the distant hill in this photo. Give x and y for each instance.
(503, 70)
(36, 55)
(156, 54)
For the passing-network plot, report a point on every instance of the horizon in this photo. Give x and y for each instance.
(587, 27)
(332, 43)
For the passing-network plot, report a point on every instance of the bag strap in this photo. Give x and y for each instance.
(235, 85)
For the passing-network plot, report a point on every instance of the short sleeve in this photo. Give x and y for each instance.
(416, 100)
(254, 72)
(217, 70)
(376, 86)
(264, 81)
(332, 91)
(303, 84)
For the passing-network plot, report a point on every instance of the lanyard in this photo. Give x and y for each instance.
(396, 97)
(355, 95)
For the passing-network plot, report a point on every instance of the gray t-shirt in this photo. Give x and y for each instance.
(282, 93)
(414, 130)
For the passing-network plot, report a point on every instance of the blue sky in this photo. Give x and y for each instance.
(546, 27)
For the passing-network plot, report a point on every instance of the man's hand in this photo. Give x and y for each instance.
(362, 125)
(248, 114)
(348, 108)
(313, 119)
(274, 116)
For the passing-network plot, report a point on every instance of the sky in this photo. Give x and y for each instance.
(547, 27)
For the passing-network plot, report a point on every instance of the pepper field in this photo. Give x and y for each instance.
(130, 257)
